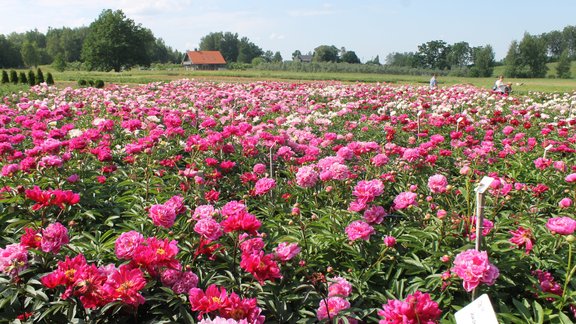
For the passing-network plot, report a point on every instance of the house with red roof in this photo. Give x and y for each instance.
(203, 60)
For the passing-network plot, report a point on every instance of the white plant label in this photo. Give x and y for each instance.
(484, 184)
(479, 311)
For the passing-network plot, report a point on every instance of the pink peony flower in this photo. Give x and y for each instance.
(365, 191)
(570, 178)
(522, 237)
(286, 251)
(374, 214)
(474, 268)
(162, 215)
(405, 200)
(339, 286)
(263, 186)
(565, 203)
(209, 228)
(359, 230)
(306, 177)
(331, 306)
(561, 225)
(53, 237)
(126, 243)
(437, 183)
(389, 241)
(416, 308)
(13, 259)
(259, 168)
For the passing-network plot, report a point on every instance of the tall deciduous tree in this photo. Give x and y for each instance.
(533, 55)
(30, 54)
(115, 42)
(563, 67)
(512, 60)
(350, 57)
(483, 59)
(434, 54)
(325, 53)
(460, 55)
(10, 56)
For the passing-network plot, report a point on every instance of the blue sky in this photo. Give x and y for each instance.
(368, 27)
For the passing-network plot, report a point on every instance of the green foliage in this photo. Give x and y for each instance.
(59, 64)
(30, 54)
(483, 58)
(5, 78)
(326, 53)
(350, 57)
(31, 78)
(532, 51)
(22, 77)
(564, 64)
(233, 49)
(434, 55)
(13, 77)
(49, 79)
(39, 76)
(82, 83)
(115, 42)
(9, 54)
(99, 84)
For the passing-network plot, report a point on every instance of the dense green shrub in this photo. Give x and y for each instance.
(5, 78)
(99, 84)
(49, 79)
(39, 76)
(13, 77)
(82, 83)
(23, 78)
(31, 78)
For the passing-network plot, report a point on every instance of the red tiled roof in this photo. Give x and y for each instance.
(206, 57)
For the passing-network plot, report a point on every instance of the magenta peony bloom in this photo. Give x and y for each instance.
(389, 241)
(53, 237)
(437, 183)
(263, 186)
(365, 191)
(522, 237)
(571, 178)
(286, 251)
(162, 215)
(561, 225)
(474, 268)
(405, 200)
(259, 168)
(565, 203)
(359, 230)
(374, 214)
(331, 306)
(415, 309)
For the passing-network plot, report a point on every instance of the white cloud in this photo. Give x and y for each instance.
(275, 36)
(325, 10)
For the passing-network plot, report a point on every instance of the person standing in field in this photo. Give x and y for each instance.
(433, 82)
(499, 84)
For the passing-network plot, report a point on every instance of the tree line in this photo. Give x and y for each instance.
(111, 42)
(115, 42)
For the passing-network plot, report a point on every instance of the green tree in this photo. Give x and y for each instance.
(483, 60)
(569, 36)
(563, 67)
(325, 53)
(13, 77)
(115, 42)
(375, 60)
(5, 78)
(10, 56)
(59, 64)
(31, 78)
(460, 55)
(296, 54)
(22, 78)
(512, 61)
(30, 54)
(248, 51)
(39, 76)
(434, 54)
(49, 79)
(533, 55)
(409, 59)
(350, 57)
(277, 58)
(554, 43)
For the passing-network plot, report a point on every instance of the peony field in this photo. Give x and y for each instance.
(278, 202)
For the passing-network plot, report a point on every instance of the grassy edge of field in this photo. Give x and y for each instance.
(137, 76)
